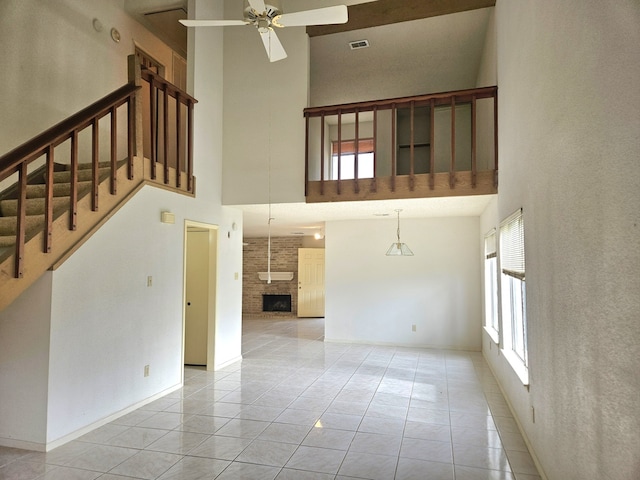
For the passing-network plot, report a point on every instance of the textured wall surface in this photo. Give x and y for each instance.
(284, 258)
(569, 146)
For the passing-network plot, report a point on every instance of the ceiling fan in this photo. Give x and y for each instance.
(265, 17)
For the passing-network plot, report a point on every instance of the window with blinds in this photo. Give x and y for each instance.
(491, 283)
(512, 246)
(513, 292)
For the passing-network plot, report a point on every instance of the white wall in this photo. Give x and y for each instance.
(105, 323)
(24, 365)
(569, 148)
(372, 298)
(263, 104)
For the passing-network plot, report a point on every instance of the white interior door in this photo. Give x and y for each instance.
(197, 298)
(311, 282)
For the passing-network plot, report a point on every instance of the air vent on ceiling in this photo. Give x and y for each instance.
(359, 44)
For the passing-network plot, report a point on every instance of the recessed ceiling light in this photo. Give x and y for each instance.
(380, 214)
(356, 44)
(297, 233)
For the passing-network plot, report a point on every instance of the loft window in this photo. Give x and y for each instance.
(343, 165)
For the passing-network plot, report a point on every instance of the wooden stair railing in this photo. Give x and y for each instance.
(334, 136)
(44, 145)
(53, 207)
(167, 101)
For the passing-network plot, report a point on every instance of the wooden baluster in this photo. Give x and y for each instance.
(375, 148)
(153, 108)
(21, 220)
(114, 151)
(48, 201)
(356, 152)
(412, 159)
(131, 131)
(178, 141)
(452, 166)
(306, 155)
(495, 139)
(190, 147)
(165, 133)
(432, 147)
(339, 149)
(73, 183)
(394, 146)
(474, 169)
(322, 166)
(95, 152)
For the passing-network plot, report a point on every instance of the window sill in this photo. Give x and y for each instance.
(518, 367)
(493, 334)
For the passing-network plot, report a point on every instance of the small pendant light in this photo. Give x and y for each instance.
(398, 248)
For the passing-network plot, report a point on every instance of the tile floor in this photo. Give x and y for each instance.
(297, 408)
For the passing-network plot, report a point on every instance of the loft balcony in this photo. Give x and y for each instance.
(435, 145)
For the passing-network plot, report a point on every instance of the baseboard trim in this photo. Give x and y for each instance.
(13, 443)
(222, 365)
(460, 348)
(84, 430)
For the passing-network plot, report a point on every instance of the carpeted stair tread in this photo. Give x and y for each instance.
(84, 175)
(8, 225)
(59, 190)
(35, 206)
(89, 165)
(7, 241)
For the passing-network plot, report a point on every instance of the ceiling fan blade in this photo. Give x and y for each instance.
(319, 16)
(275, 50)
(212, 23)
(258, 6)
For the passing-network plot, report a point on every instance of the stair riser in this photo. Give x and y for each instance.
(35, 206)
(8, 225)
(59, 190)
(84, 175)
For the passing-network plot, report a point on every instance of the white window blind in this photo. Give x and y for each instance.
(512, 246)
(490, 244)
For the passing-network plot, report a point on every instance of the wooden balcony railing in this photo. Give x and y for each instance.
(441, 144)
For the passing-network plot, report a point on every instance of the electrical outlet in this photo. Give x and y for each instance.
(413, 328)
(149, 281)
(235, 275)
(146, 370)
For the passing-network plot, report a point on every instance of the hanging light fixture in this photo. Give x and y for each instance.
(398, 248)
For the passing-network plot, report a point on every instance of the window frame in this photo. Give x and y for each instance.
(513, 294)
(491, 299)
(348, 149)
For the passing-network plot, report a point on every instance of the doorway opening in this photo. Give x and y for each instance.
(200, 292)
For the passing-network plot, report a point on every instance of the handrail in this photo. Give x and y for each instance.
(441, 98)
(161, 82)
(411, 167)
(57, 134)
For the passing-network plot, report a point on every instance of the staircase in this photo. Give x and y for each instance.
(48, 214)
(36, 200)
